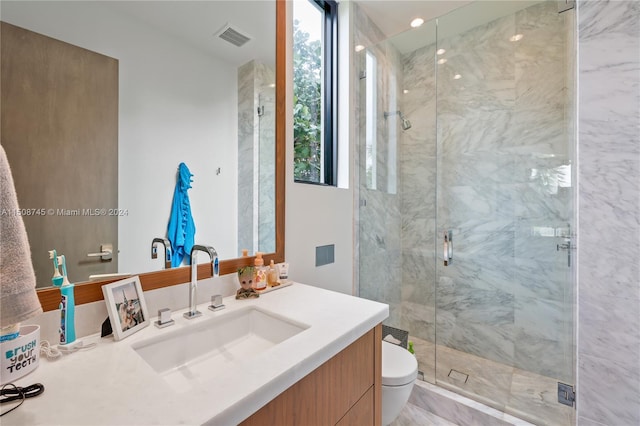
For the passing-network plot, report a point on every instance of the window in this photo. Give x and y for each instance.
(314, 91)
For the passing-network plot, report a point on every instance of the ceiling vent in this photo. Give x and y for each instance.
(233, 35)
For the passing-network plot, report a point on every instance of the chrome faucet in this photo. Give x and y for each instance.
(193, 286)
(167, 250)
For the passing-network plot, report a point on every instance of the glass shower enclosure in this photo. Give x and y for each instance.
(466, 166)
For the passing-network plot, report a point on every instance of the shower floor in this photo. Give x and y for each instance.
(523, 394)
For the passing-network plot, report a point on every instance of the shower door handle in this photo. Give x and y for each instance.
(447, 252)
(568, 247)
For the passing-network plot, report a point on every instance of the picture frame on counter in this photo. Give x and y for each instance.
(126, 307)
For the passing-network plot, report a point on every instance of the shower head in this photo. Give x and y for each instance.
(406, 124)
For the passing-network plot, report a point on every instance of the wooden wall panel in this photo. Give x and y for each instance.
(59, 122)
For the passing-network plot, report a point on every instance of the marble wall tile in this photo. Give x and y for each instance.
(541, 15)
(366, 31)
(609, 202)
(379, 221)
(535, 398)
(418, 319)
(539, 279)
(470, 168)
(502, 120)
(256, 158)
(500, 112)
(547, 357)
(607, 331)
(534, 59)
(380, 218)
(246, 183)
(265, 98)
(418, 270)
(539, 132)
(582, 421)
(418, 234)
(473, 337)
(608, 392)
(380, 278)
(476, 132)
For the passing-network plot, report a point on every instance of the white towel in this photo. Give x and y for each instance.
(18, 298)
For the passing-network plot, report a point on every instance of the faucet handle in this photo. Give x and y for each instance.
(164, 318)
(216, 303)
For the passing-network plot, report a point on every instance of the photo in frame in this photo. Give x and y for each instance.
(126, 307)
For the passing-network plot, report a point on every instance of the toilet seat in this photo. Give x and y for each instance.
(399, 366)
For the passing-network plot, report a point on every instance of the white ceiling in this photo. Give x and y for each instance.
(196, 23)
(394, 16)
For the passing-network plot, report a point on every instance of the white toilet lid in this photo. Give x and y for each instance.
(399, 366)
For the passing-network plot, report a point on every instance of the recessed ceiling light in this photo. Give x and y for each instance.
(442, 61)
(457, 77)
(405, 91)
(440, 52)
(417, 22)
(272, 85)
(359, 47)
(516, 37)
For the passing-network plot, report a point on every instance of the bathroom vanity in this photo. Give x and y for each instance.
(312, 357)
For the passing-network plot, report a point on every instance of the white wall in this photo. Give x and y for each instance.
(318, 215)
(176, 105)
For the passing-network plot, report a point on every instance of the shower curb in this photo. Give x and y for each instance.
(459, 409)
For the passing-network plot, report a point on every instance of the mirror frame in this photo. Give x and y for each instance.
(88, 292)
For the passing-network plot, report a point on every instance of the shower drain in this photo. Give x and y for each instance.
(458, 376)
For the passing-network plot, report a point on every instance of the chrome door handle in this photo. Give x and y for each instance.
(106, 252)
(568, 247)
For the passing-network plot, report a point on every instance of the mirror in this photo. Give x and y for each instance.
(170, 46)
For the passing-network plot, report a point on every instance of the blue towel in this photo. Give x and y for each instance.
(182, 230)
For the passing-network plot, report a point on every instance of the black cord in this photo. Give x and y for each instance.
(15, 393)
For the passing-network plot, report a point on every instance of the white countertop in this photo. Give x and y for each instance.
(112, 385)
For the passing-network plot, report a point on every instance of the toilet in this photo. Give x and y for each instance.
(399, 372)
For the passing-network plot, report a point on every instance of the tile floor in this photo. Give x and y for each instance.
(412, 415)
(523, 394)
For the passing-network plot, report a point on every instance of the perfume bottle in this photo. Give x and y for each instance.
(272, 275)
(260, 281)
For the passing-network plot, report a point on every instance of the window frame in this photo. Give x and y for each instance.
(329, 153)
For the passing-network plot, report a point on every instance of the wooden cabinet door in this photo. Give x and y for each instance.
(344, 390)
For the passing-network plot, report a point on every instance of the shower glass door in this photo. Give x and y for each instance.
(396, 171)
(465, 130)
(505, 206)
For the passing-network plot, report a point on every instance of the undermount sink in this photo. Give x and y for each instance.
(202, 351)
